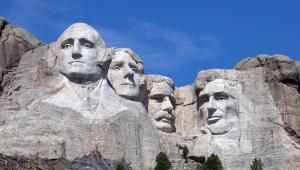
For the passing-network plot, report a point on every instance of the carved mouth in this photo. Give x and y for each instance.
(75, 62)
(127, 84)
(214, 119)
(164, 120)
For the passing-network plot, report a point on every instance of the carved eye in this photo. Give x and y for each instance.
(133, 69)
(158, 99)
(203, 98)
(66, 46)
(221, 96)
(88, 45)
(116, 67)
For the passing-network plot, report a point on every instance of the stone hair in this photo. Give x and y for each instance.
(151, 79)
(133, 55)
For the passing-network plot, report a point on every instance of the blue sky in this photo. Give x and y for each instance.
(175, 38)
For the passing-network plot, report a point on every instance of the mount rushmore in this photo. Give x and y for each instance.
(75, 104)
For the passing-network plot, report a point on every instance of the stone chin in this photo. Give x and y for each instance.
(128, 91)
(163, 126)
(220, 127)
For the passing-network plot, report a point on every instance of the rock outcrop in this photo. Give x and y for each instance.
(282, 77)
(93, 161)
(14, 42)
(252, 125)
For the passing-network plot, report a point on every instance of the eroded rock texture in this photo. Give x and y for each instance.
(49, 112)
(14, 42)
(282, 77)
(251, 125)
(93, 161)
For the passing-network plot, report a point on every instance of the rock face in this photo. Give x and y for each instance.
(282, 77)
(77, 104)
(14, 42)
(251, 126)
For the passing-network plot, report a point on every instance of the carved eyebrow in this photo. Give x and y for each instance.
(204, 95)
(116, 63)
(156, 96)
(223, 94)
(84, 40)
(67, 41)
(133, 65)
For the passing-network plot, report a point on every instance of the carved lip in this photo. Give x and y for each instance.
(166, 118)
(214, 119)
(127, 84)
(71, 62)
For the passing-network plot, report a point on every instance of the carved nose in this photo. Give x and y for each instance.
(128, 72)
(76, 50)
(76, 55)
(211, 111)
(167, 105)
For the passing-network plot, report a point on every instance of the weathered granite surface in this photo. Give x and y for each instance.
(93, 161)
(40, 117)
(282, 77)
(256, 131)
(57, 113)
(14, 42)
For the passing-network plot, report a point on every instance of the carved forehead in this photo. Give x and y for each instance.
(121, 51)
(128, 52)
(153, 79)
(82, 30)
(161, 88)
(218, 85)
(122, 56)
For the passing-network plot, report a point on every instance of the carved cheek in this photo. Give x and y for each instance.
(203, 110)
(137, 79)
(152, 107)
(90, 54)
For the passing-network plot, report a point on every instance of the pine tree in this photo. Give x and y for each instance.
(213, 163)
(185, 152)
(198, 159)
(120, 166)
(256, 164)
(162, 162)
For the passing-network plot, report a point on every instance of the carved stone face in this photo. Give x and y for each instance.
(217, 105)
(124, 76)
(161, 106)
(79, 48)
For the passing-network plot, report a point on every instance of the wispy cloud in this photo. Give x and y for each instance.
(164, 48)
(47, 14)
